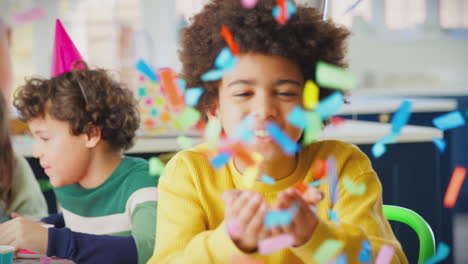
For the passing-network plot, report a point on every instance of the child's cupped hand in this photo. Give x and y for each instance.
(23, 233)
(244, 216)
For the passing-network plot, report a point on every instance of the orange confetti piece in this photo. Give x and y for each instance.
(319, 169)
(240, 150)
(454, 187)
(173, 95)
(282, 19)
(228, 37)
(301, 187)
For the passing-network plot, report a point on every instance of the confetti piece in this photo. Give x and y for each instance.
(327, 251)
(282, 17)
(240, 151)
(365, 253)
(401, 117)
(331, 76)
(249, 4)
(442, 253)
(301, 187)
(290, 147)
(454, 187)
(352, 7)
(330, 105)
(229, 38)
(311, 95)
(213, 131)
(319, 169)
(268, 180)
(385, 255)
(31, 15)
(233, 229)
(188, 118)
(249, 176)
(245, 130)
(297, 117)
(342, 259)
(192, 96)
(45, 185)
(378, 149)
(333, 215)
(146, 70)
(440, 144)
(173, 94)
(353, 188)
(317, 183)
(278, 218)
(184, 142)
(156, 166)
(291, 11)
(336, 120)
(314, 126)
(449, 121)
(213, 75)
(220, 160)
(271, 245)
(181, 83)
(333, 178)
(224, 58)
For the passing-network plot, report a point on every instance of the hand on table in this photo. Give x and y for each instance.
(24, 233)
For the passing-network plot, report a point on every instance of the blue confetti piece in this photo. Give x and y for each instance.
(221, 160)
(317, 183)
(230, 64)
(440, 144)
(213, 75)
(378, 149)
(291, 10)
(290, 147)
(146, 70)
(365, 254)
(401, 117)
(389, 138)
(182, 84)
(442, 253)
(277, 218)
(267, 179)
(449, 121)
(245, 130)
(297, 117)
(342, 259)
(192, 96)
(224, 58)
(333, 215)
(330, 105)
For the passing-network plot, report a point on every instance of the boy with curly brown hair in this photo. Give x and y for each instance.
(214, 215)
(82, 121)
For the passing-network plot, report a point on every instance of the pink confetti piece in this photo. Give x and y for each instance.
(249, 3)
(31, 15)
(271, 245)
(385, 255)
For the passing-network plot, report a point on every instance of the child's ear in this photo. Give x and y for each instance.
(93, 136)
(212, 111)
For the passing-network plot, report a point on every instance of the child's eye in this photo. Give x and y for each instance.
(44, 139)
(243, 94)
(289, 94)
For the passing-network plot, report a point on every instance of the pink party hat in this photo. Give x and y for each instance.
(65, 52)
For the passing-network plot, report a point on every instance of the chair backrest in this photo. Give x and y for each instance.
(418, 224)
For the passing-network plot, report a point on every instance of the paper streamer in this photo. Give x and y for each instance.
(449, 121)
(385, 254)
(352, 7)
(442, 253)
(146, 70)
(289, 147)
(401, 117)
(440, 144)
(378, 149)
(172, 92)
(454, 187)
(331, 76)
(271, 245)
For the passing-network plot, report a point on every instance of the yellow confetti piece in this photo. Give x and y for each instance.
(328, 250)
(249, 177)
(311, 95)
(353, 188)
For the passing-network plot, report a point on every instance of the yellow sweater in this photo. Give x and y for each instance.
(190, 226)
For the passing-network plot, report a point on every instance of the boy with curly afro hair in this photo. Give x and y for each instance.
(208, 215)
(82, 121)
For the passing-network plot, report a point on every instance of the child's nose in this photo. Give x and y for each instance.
(264, 107)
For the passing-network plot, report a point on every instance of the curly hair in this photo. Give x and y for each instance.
(104, 103)
(305, 40)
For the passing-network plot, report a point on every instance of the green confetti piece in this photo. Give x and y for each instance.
(184, 142)
(331, 76)
(353, 188)
(188, 118)
(212, 131)
(314, 126)
(156, 166)
(45, 185)
(328, 250)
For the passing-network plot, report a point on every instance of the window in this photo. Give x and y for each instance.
(454, 14)
(404, 14)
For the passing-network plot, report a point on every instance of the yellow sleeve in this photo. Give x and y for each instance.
(361, 216)
(182, 235)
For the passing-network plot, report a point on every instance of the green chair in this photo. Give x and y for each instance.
(418, 224)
